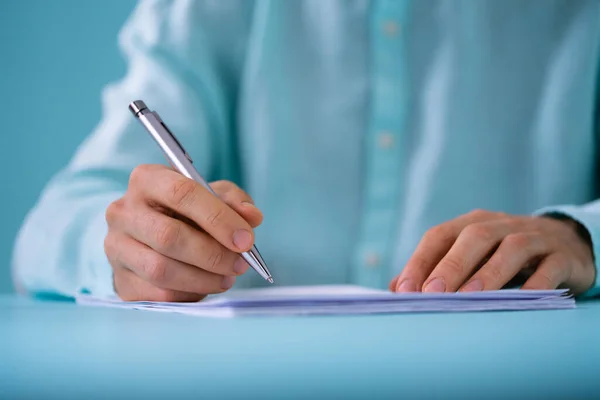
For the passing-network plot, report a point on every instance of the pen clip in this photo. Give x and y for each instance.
(173, 137)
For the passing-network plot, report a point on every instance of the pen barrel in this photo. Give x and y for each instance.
(194, 175)
(172, 149)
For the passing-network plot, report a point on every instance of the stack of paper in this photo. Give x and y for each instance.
(347, 299)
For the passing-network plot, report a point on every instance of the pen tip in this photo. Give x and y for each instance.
(270, 280)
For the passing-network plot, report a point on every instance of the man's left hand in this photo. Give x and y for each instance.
(485, 250)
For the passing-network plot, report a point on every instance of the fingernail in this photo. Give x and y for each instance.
(242, 239)
(407, 286)
(228, 282)
(240, 266)
(436, 285)
(247, 203)
(473, 286)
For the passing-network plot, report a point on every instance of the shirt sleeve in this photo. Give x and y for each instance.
(587, 215)
(174, 65)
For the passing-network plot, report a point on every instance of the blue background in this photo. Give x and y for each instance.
(55, 57)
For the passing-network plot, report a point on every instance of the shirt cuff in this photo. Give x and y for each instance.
(591, 222)
(98, 275)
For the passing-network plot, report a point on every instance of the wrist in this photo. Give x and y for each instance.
(578, 228)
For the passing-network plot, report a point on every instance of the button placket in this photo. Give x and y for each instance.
(388, 104)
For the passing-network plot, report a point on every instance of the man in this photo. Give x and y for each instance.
(366, 133)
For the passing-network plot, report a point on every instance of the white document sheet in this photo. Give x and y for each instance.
(346, 299)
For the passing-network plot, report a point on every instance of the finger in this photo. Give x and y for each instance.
(551, 272)
(166, 273)
(514, 254)
(192, 200)
(435, 244)
(179, 241)
(130, 287)
(473, 245)
(239, 200)
(393, 284)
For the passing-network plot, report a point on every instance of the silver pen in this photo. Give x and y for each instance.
(182, 162)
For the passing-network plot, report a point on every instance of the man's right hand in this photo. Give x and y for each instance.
(170, 239)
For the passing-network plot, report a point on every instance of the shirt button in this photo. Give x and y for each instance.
(372, 260)
(391, 28)
(385, 140)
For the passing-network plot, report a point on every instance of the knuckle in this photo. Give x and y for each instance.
(215, 259)
(544, 281)
(167, 235)
(419, 263)
(517, 240)
(215, 217)
(492, 274)
(222, 185)
(137, 174)
(478, 212)
(228, 197)
(156, 268)
(113, 211)
(515, 223)
(503, 215)
(437, 232)
(230, 193)
(417, 267)
(565, 274)
(183, 192)
(452, 265)
(479, 231)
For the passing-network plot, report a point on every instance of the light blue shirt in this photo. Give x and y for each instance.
(355, 125)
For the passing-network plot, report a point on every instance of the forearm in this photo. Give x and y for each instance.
(59, 250)
(172, 66)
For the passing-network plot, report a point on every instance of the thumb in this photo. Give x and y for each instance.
(239, 201)
(249, 212)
